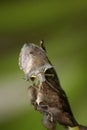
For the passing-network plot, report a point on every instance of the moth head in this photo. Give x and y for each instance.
(33, 59)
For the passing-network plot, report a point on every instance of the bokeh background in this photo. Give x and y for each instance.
(63, 27)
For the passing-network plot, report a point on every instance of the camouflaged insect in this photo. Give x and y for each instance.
(47, 96)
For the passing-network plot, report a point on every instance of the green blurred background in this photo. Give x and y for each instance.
(63, 26)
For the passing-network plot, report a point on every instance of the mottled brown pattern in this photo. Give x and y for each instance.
(47, 96)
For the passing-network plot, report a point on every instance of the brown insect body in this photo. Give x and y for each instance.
(47, 96)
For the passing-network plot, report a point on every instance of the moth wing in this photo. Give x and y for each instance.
(24, 57)
(52, 79)
(54, 83)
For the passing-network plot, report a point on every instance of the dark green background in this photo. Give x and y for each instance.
(63, 26)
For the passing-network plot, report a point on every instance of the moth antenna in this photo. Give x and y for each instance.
(42, 45)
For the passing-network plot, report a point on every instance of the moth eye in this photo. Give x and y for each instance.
(33, 77)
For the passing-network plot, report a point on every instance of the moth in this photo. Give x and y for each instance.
(46, 94)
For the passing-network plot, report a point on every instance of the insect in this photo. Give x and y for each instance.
(46, 94)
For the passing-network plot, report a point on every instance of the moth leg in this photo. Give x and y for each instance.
(42, 107)
(47, 123)
(45, 109)
(32, 91)
(50, 116)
